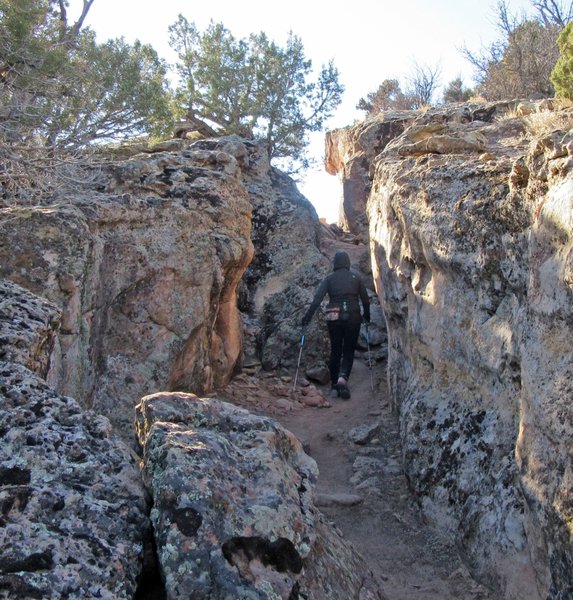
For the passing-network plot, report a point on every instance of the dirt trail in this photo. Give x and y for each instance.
(361, 487)
(411, 560)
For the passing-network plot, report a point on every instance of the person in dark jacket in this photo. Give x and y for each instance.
(345, 292)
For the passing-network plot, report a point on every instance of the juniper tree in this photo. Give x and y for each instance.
(61, 91)
(562, 74)
(456, 91)
(253, 87)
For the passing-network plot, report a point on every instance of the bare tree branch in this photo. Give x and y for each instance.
(69, 34)
(424, 83)
(554, 12)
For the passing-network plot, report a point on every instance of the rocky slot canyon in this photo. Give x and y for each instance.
(152, 444)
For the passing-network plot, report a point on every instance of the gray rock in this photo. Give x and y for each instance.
(338, 499)
(28, 327)
(319, 374)
(364, 434)
(74, 514)
(233, 506)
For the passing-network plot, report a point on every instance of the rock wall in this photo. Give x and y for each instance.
(173, 270)
(73, 510)
(145, 270)
(29, 326)
(287, 265)
(469, 216)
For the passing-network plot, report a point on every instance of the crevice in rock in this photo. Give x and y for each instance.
(150, 586)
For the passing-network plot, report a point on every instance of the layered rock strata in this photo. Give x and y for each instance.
(470, 218)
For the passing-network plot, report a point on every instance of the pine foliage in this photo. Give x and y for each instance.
(253, 87)
(562, 74)
(62, 92)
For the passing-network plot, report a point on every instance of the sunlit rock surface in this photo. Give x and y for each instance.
(233, 507)
(469, 215)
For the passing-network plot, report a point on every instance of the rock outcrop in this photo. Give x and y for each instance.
(173, 270)
(469, 217)
(233, 507)
(287, 265)
(73, 510)
(145, 271)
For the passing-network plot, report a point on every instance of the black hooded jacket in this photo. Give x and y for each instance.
(342, 285)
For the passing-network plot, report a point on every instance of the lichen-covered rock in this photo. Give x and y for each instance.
(351, 152)
(233, 507)
(470, 224)
(28, 327)
(73, 514)
(287, 266)
(145, 270)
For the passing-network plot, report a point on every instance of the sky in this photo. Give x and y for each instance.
(368, 41)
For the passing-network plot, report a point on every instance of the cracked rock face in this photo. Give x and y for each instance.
(469, 219)
(28, 328)
(233, 510)
(145, 271)
(73, 514)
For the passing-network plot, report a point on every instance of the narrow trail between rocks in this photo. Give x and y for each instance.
(362, 490)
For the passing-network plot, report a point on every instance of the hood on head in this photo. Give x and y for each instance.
(341, 260)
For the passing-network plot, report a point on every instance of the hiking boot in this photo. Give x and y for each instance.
(334, 392)
(343, 390)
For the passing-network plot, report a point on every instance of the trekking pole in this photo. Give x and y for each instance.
(298, 363)
(369, 359)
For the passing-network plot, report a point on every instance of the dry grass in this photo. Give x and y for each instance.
(542, 117)
(560, 118)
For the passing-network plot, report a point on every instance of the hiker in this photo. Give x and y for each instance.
(343, 318)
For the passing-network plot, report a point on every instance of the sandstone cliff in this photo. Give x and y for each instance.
(147, 269)
(469, 215)
(144, 282)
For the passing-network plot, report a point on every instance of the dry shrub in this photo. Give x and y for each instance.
(541, 117)
(543, 122)
(33, 176)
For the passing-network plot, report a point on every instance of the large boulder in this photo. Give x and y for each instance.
(233, 507)
(74, 516)
(145, 265)
(470, 221)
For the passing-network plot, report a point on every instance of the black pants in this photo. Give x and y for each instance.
(343, 338)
